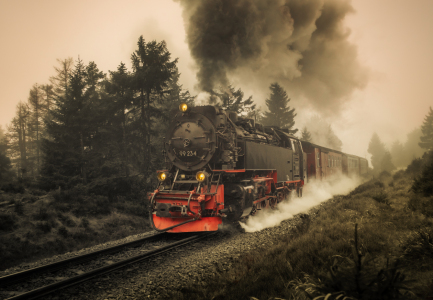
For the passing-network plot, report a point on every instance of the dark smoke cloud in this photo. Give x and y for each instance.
(302, 44)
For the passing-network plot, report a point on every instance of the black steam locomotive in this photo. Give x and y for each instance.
(224, 166)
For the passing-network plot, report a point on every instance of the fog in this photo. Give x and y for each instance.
(314, 193)
(362, 66)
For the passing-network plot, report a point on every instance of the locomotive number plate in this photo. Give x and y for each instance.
(185, 152)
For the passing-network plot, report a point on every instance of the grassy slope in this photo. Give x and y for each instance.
(387, 229)
(34, 227)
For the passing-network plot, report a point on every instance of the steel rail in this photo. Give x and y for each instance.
(20, 276)
(49, 289)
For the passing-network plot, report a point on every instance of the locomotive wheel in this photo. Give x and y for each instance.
(280, 197)
(273, 203)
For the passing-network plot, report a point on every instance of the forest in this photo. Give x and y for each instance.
(104, 133)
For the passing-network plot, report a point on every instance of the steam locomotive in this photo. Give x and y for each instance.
(221, 165)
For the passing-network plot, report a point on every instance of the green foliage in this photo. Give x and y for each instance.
(360, 276)
(279, 113)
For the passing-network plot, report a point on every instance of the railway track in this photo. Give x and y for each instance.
(47, 279)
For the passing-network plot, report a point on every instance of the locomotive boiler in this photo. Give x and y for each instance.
(220, 166)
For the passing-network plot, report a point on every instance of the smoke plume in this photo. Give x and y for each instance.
(315, 192)
(301, 44)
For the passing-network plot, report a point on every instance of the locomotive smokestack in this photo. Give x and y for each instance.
(302, 44)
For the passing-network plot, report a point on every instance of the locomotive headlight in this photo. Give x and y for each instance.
(201, 176)
(183, 107)
(161, 176)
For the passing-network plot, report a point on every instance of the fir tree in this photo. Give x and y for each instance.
(279, 113)
(71, 128)
(377, 150)
(18, 136)
(60, 81)
(152, 70)
(306, 136)
(386, 164)
(5, 162)
(36, 103)
(427, 131)
(233, 100)
(119, 100)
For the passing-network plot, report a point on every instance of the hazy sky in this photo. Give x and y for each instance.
(394, 40)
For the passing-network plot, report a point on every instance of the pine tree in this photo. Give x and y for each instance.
(5, 162)
(279, 113)
(119, 100)
(233, 100)
(71, 128)
(152, 70)
(427, 131)
(398, 154)
(306, 136)
(36, 103)
(377, 150)
(386, 164)
(18, 136)
(61, 80)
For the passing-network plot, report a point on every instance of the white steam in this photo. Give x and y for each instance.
(314, 192)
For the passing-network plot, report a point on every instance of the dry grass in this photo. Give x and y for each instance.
(33, 227)
(387, 230)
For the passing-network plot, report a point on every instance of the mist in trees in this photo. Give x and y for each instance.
(427, 132)
(381, 158)
(85, 127)
(305, 135)
(403, 153)
(321, 133)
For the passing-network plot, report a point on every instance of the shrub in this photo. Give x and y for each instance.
(424, 183)
(381, 197)
(419, 247)
(42, 214)
(7, 221)
(15, 187)
(422, 204)
(85, 223)
(44, 226)
(19, 207)
(66, 220)
(399, 174)
(63, 231)
(358, 277)
(363, 187)
(384, 174)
